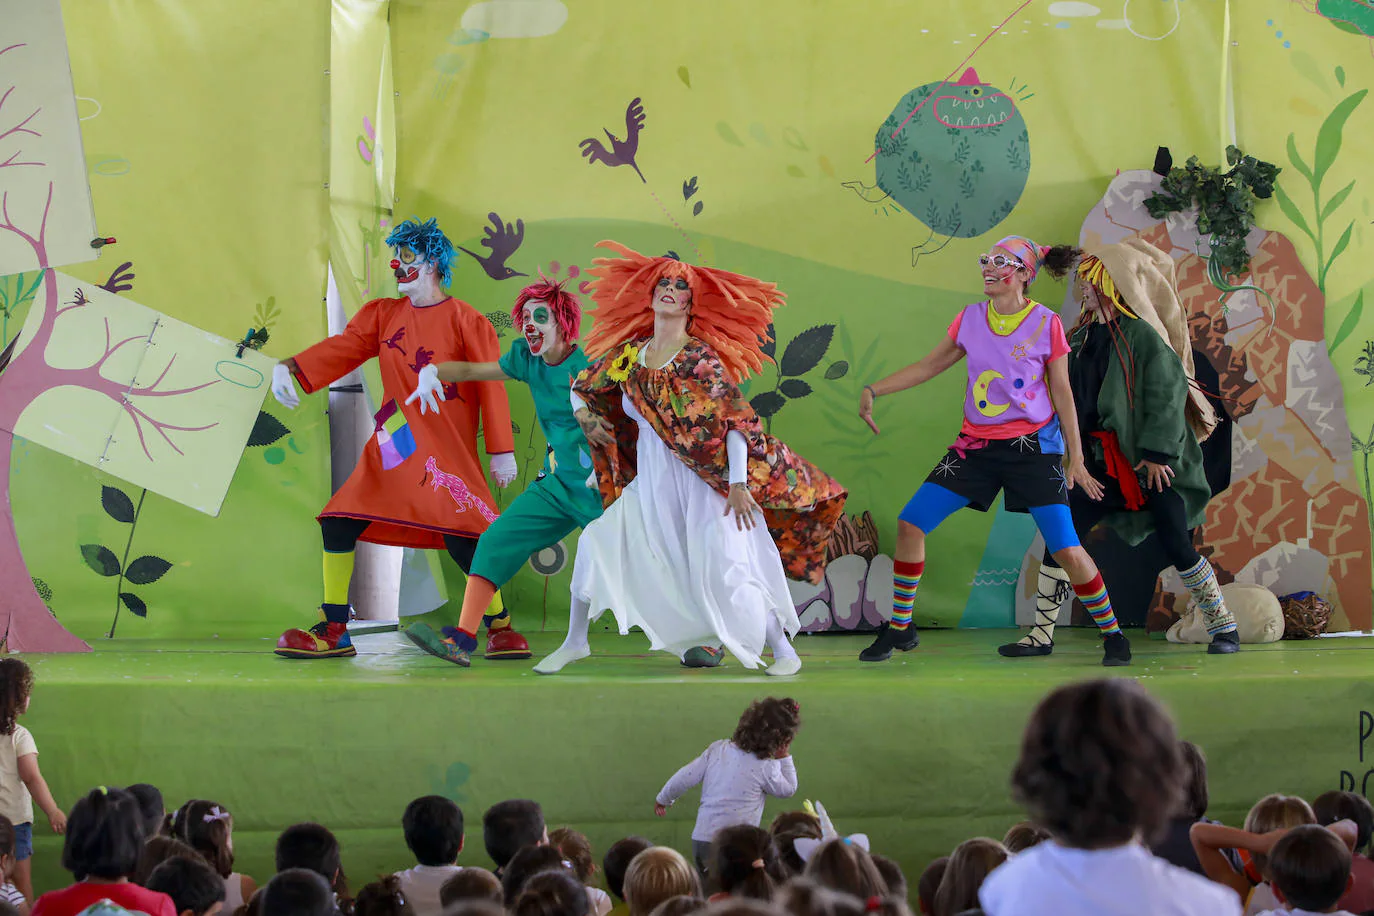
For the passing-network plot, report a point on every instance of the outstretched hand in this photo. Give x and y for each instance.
(284, 387)
(866, 399)
(1076, 474)
(429, 391)
(742, 502)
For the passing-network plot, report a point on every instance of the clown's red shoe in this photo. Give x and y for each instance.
(506, 645)
(323, 640)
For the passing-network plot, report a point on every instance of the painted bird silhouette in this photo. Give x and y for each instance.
(502, 240)
(622, 152)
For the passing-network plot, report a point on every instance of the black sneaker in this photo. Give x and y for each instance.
(1224, 643)
(1021, 650)
(889, 640)
(1116, 651)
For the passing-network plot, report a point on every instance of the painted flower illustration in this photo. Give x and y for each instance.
(619, 369)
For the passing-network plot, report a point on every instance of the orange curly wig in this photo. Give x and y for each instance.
(729, 311)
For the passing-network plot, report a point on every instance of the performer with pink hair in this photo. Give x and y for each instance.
(678, 451)
(558, 502)
(1020, 438)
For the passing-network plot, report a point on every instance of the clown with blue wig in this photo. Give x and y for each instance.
(419, 482)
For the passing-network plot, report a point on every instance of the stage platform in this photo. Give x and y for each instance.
(915, 752)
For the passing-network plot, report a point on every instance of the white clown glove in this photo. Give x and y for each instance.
(503, 469)
(429, 390)
(284, 387)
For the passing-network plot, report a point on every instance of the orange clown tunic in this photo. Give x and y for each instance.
(419, 477)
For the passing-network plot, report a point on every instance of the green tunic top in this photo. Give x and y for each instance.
(1155, 422)
(570, 459)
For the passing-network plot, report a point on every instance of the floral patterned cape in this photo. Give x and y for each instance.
(692, 405)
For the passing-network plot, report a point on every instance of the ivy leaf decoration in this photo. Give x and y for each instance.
(117, 505)
(266, 430)
(767, 403)
(806, 350)
(794, 388)
(146, 570)
(101, 559)
(1225, 203)
(134, 603)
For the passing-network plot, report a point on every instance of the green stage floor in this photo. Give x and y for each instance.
(915, 753)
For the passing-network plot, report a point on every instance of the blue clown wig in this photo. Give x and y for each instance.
(428, 241)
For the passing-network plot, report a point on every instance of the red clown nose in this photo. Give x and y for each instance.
(395, 264)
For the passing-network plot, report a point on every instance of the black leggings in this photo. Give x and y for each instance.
(1170, 517)
(341, 536)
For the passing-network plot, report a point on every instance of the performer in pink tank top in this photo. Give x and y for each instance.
(1011, 441)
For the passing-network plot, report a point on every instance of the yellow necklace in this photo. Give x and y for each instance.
(1002, 325)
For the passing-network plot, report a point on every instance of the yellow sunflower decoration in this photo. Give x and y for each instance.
(619, 369)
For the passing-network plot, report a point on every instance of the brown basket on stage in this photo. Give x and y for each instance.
(1305, 615)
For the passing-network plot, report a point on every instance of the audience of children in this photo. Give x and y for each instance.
(1110, 790)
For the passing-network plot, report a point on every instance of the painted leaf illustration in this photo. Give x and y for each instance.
(770, 346)
(1352, 318)
(794, 388)
(101, 559)
(266, 430)
(837, 370)
(767, 403)
(806, 350)
(697, 208)
(118, 505)
(134, 604)
(146, 570)
(1329, 137)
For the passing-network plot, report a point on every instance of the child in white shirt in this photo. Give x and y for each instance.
(1309, 871)
(1100, 769)
(433, 828)
(736, 775)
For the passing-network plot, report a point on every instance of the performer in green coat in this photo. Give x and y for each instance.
(1130, 368)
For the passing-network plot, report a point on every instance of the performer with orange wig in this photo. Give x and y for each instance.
(678, 451)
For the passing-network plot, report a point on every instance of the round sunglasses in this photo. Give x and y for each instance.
(999, 261)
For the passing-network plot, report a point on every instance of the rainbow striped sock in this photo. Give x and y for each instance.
(1093, 594)
(905, 579)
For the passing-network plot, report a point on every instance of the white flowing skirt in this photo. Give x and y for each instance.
(665, 558)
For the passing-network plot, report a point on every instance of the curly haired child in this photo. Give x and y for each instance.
(735, 775)
(21, 783)
(1100, 768)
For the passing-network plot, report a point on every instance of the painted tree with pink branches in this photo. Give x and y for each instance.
(26, 624)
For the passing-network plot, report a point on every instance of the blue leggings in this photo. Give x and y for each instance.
(933, 503)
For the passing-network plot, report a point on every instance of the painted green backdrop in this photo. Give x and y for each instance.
(235, 148)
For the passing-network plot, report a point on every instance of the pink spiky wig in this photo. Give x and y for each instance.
(566, 307)
(730, 312)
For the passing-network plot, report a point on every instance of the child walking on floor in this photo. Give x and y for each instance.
(1020, 435)
(736, 775)
(21, 783)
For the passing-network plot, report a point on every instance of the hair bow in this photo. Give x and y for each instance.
(216, 814)
(805, 846)
(873, 904)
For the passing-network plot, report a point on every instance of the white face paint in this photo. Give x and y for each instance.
(538, 326)
(410, 268)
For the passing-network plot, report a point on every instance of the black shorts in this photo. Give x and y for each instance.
(1029, 477)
